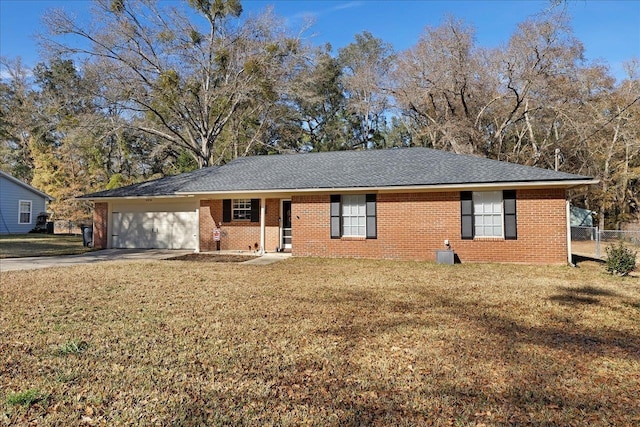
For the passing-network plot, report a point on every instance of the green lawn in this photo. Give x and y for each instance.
(319, 342)
(27, 245)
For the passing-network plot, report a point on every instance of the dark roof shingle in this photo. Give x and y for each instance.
(375, 168)
(344, 169)
(166, 186)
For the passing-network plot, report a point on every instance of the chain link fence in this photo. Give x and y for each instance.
(592, 242)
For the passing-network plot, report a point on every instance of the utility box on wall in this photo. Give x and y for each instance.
(445, 257)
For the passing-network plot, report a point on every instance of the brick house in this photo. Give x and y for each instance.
(395, 204)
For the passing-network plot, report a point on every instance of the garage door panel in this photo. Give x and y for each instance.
(161, 230)
(133, 230)
(184, 230)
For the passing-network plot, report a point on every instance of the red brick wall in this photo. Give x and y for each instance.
(238, 235)
(100, 225)
(414, 225)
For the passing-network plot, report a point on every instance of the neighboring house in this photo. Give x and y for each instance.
(20, 205)
(396, 203)
(581, 217)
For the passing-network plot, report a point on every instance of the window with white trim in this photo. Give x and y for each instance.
(241, 209)
(487, 213)
(24, 212)
(354, 215)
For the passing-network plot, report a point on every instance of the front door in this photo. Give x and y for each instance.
(285, 231)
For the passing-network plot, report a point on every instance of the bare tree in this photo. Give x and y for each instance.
(366, 65)
(438, 84)
(181, 79)
(536, 71)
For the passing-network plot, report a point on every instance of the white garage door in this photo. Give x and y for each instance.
(160, 230)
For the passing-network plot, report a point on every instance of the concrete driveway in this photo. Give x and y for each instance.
(33, 263)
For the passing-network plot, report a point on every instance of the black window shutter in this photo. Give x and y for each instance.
(510, 221)
(371, 216)
(335, 216)
(226, 210)
(466, 210)
(255, 210)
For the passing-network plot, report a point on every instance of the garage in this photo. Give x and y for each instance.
(158, 230)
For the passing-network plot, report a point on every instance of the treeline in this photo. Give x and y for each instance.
(147, 90)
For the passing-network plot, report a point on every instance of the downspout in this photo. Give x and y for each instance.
(263, 210)
(568, 215)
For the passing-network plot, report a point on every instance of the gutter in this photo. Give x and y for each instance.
(422, 188)
(168, 196)
(391, 189)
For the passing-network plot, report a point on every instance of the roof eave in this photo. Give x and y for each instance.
(164, 196)
(394, 189)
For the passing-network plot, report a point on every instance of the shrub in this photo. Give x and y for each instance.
(26, 398)
(620, 260)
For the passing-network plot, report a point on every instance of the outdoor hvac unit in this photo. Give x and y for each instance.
(445, 256)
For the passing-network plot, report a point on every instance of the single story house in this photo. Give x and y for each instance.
(396, 203)
(20, 204)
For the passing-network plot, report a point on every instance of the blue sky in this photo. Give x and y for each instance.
(609, 30)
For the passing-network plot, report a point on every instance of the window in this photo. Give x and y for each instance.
(353, 215)
(24, 212)
(487, 213)
(241, 209)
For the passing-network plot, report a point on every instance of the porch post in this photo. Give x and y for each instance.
(263, 210)
(197, 225)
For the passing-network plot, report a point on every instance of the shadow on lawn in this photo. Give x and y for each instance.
(572, 338)
(583, 295)
(534, 389)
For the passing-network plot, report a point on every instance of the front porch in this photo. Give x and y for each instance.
(256, 225)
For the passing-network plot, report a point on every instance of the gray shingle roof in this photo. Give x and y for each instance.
(346, 169)
(167, 186)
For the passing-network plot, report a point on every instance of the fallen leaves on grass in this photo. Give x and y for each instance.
(212, 257)
(322, 342)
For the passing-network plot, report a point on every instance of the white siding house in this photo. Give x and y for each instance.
(20, 205)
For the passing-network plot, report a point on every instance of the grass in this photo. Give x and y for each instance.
(26, 398)
(322, 342)
(29, 245)
(73, 346)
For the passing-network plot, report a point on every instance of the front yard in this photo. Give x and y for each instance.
(28, 245)
(319, 342)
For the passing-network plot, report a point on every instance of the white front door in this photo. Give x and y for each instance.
(285, 224)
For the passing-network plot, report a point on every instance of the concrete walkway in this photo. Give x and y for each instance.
(268, 258)
(34, 263)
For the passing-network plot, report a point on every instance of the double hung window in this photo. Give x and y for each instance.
(488, 214)
(241, 210)
(353, 215)
(24, 212)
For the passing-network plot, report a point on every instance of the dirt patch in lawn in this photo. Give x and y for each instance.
(319, 342)
(212, 258)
